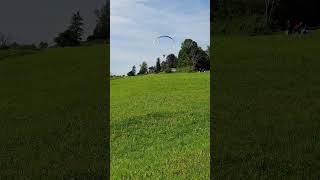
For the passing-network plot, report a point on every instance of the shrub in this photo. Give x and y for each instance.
(168, 70)
(185, 69)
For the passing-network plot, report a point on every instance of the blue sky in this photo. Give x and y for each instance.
(135, 24)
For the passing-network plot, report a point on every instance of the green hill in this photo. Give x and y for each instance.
(160, 126)
(53, 115)
(10, 53)
(266, 107)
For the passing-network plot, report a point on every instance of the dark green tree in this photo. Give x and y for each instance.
(143, 68)
(152, 69)
(73, 35)
(102, 30)
(158, 66)
(43, 45)
(172, 61)
(76, 27)
(64, 39)
(187, 53)
(193, 56)
(164, 66)
(201, 60)
(132, 72)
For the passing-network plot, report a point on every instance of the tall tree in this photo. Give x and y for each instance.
(4, 40)
(143, 68)
(187, 53)
(132, 72)
(64, 39)
(193, 56)
(172, 61)
(73, 35)
(164, 66)
(270, 6)
(76, 27)
(201, 60)
(158, 66)
(102, 29)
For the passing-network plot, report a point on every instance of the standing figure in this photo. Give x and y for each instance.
(289, 30)
(305, 30)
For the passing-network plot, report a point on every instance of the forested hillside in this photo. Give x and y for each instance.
(262, 16)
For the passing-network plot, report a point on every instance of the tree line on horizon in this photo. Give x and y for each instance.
(191, 58)
(6, 42)
(262, 16)
(73, 35)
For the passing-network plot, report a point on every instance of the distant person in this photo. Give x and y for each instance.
(300, 27)
(297, 27)
(289, 29)
(305, 30)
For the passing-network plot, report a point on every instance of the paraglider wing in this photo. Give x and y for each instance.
(157, 40)
(165, 44)
(166, 37)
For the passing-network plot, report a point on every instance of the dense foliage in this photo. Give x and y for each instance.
(102, 30)
(73, 35)
(132, 72)
(43, 45)
(172, 61)
(193, 55)
(143, 68)
(191, 58)
(158, 66)
(262, 16)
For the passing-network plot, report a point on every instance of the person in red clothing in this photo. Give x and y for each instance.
(298, 27)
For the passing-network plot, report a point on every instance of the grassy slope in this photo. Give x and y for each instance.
(160, 127)
(53, 114)
(9, 53)
(267, 99)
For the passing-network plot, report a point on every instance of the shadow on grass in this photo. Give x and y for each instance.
(144, 120)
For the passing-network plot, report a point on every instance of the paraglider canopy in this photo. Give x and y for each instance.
(164, 44)
(166, 37)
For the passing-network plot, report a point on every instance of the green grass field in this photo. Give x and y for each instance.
(266, 114)
(53, 114)
(266, 107)
(160, 126)
(10, 53)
